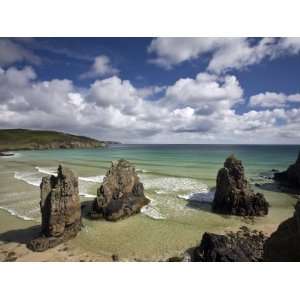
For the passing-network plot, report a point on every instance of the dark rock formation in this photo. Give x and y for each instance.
(121, 194)
(60, 209)
(6, 154)
(244, 245)
(233, 193)
(290, 177)
(284, 243)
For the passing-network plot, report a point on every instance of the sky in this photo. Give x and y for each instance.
(154, 90)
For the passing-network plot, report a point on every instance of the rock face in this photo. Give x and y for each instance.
(121, 194)
(244, 245)
(290, 177)
(60, 209)
(284, 243)
(233, 193)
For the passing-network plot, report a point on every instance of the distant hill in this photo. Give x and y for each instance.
(24, 139)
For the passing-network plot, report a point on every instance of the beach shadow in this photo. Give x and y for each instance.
(21, 236)
(278, 188)
(86, 208)
(204, 206)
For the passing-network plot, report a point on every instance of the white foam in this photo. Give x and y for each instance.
(48, 171)
(142, 171)
(85, 195)
(96, 179)
(202, 197)
(161, 192)
(28, 177)
(173, 184)
(15, 155)
(14, 213)
(152, 212)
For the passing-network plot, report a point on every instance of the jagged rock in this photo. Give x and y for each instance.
(290, 177)
(60, 209)
(121, 194)
(6, 154)
(284, 243)
(233, 192)
(242, 246)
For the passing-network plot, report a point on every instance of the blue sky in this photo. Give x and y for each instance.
(154, 90)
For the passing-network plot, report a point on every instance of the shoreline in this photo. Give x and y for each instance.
(13, 239)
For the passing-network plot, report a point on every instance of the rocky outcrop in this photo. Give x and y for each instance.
(233, 193)
(60, 210)
(242, 246)
(284, 243)
(121, 194)
(25, 139)
(290, 177)
(6, 154)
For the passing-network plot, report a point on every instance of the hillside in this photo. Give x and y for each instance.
(23, 139)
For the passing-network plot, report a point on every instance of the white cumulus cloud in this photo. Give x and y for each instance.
(100, 68)
(11, 52)
(224, 54)
(271, 99)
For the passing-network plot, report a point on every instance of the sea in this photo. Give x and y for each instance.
(178, 179)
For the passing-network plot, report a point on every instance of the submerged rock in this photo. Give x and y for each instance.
(60, 209)
(121, 194)
(284, 243)
(6, 154)
(290, 177)
(242, 246)
(233, 192)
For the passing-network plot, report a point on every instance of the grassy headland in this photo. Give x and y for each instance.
(24, 139)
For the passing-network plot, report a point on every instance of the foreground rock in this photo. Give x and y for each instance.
(60, 209)
(290, 177)
(233, 193)
(284, 243)
(242, 246)
(121, 194)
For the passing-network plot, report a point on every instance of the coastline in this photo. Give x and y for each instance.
(13, 240)
(170, 177)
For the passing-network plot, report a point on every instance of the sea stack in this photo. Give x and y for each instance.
(60, 210)
(121, 194)
(284, 243)
(233, 193)
(290, 177)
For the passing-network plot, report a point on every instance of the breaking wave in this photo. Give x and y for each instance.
(96, 179)
(48, 171)
(14, 213)
(31, 178)
(35, 178)
(173, 184)
(152, 211)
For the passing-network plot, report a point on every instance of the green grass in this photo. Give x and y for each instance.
(17, 139)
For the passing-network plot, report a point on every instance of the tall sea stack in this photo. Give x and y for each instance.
(233, 193)
(121, 194)
(60, 210)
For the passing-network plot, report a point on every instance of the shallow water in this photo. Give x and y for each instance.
(179, 180)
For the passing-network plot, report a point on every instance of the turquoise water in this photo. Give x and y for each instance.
(179, 180)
